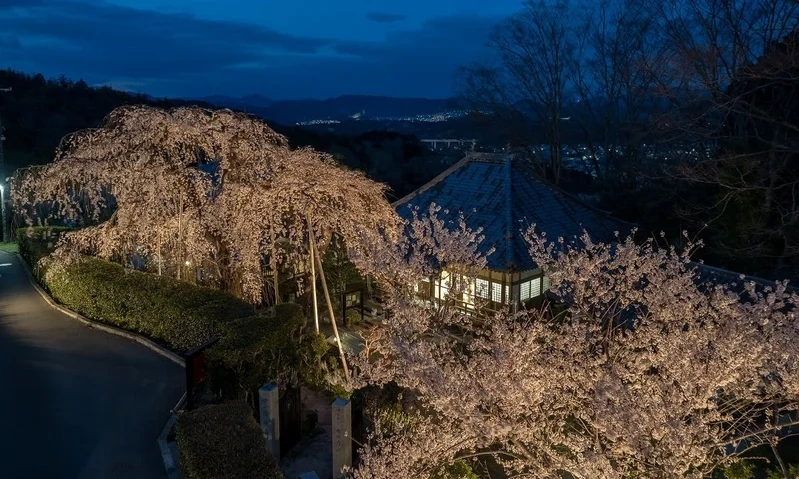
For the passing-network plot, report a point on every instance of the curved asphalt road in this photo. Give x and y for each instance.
(75, 402)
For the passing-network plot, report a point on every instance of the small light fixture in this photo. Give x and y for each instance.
(188, 263)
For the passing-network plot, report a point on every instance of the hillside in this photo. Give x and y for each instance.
(339, 108)
(399, 160)
(38, 112)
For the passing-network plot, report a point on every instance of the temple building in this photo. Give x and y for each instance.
(503, 196)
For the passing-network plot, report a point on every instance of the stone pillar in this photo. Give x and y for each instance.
(269, 405)
(342, 437)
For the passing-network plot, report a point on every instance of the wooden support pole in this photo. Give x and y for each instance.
(160, 260)
(180, 232)
(502, 296)
(329, 304)
(313, 282)
(273, 259)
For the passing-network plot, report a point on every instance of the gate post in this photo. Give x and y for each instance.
(196, 369)
(269, 405)
(342, 437)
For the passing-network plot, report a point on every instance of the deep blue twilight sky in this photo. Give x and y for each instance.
(282, 49)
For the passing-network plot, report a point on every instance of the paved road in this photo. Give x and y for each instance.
(75, 402)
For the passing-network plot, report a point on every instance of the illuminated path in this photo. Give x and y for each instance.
(75, 402)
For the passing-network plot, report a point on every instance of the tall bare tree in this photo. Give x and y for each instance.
(615, 76)
(732, 80)
(532, 78)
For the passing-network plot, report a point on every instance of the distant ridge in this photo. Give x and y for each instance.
(338, 108)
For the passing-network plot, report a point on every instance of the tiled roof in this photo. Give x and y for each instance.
(504, 197)
(706, 273)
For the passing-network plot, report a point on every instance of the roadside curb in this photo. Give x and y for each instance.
(170, 464)
(158, 349)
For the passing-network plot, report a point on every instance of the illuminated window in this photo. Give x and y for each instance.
(424, 288)
(456, 283)
(507, 294)
(481, 288)
(546, 284)
(525, 291)
(496, 292)
(445, 282)
(467, 286)
(535, 288)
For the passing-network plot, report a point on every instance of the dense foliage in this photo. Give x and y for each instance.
(224, 442)
(747, 193)
(400, 161)
(254, 348)
(180, 315)
(271, 347)
(38, 242)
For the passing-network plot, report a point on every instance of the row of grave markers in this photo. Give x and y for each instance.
(269, 404)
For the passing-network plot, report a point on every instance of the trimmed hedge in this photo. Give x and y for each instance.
(224, 441)
(459, 469)
(180, 315)
(39, 241)
(259, 349)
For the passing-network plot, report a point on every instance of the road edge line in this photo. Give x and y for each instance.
(156, 348)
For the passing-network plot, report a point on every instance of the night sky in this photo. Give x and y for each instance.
(280, 49)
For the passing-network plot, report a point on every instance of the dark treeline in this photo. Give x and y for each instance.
(38, 112)
(399, 160)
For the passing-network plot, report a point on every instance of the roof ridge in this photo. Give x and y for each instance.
(736, 276)
(470, 156)
(508, 190)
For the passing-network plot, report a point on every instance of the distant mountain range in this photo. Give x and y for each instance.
(339, 108)
(249, 101)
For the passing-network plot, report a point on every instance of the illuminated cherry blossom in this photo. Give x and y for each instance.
(650, 372)
(193, 188)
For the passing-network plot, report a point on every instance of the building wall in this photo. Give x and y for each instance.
(492, 288)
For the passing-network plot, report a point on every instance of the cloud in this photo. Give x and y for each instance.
(453, 39)
(382, 17)
(174, 54)
(121, 41)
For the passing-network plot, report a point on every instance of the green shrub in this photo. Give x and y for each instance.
(180, 315)
(459, 469)
(9, 247)
(776, 473)
(37, 242)
(738, 470)
(264, 348)
(224, 441)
